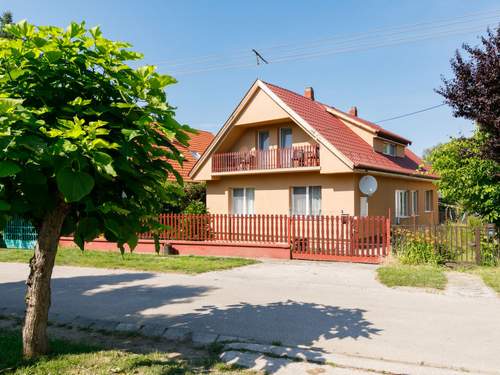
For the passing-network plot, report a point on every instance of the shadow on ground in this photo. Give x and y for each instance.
(113, 297)
(124, 297)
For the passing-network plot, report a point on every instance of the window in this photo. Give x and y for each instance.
(243, 201)
(414, 202)
(285, 137)
(306, 200)
(429, 200)
(402, 203)
(389, 149)
(263, 140)
(195, 154)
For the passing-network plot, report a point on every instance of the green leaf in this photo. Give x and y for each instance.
(53, 56)
(9, 168)
(74, 185)
(4, 206)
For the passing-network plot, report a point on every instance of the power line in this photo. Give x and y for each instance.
(411, 113)
(349, 48)
(225, 61)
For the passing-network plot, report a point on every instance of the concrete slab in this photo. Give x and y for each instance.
(178, 334)
(201, 339)
(153, 330)
(327, 307)
(128, 327)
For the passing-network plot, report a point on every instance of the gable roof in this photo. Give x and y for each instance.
(345, 140)
(197, 144)
(324, 124)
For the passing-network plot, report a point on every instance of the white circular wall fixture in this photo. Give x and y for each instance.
(368, 185)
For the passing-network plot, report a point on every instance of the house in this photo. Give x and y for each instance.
(197, 145)
(285, 153)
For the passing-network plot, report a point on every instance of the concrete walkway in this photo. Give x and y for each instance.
(329, 307)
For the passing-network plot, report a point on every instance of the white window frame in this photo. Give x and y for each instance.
(398, 200)
(414, 202)
(245, 205)
(388, 147)
(431, 201)
(308, 199)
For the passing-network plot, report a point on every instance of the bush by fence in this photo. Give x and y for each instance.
(446, 243)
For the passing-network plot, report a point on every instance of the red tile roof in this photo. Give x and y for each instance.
(345, 140)
(197, 144)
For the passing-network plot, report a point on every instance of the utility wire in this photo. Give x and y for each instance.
(351, 48)
(243, 55)
(411, 113)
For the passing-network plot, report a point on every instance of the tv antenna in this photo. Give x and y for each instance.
(259, 57)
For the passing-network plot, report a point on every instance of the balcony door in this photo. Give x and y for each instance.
(285, 151)
(263, 148)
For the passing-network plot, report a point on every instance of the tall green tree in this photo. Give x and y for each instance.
(5, 19)
(474, 90)
(85, 144)
(466, 178)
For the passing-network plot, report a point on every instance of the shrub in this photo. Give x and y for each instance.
(419, 248)
(195, 207)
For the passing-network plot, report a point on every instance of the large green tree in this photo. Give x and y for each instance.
(466, 177)
(474, 90)
(5, 19)
(85, 143)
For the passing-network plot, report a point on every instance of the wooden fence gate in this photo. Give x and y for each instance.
(342, 238)
(323, 237)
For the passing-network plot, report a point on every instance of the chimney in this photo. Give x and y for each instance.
(353, 111)
(309, 93)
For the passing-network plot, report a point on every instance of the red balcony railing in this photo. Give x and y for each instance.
(293, 157)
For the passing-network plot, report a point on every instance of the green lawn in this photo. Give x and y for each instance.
(415, 276)
(78, 359)
(139, 262)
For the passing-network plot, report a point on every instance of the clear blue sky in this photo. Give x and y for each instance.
(382, 82)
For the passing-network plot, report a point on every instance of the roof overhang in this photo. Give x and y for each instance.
(384, 172)
(259, 85)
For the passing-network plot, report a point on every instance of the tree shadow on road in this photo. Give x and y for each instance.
(290, 322)
(123, 296)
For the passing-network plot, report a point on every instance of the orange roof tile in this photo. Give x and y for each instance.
(197, 144)
(361, 154)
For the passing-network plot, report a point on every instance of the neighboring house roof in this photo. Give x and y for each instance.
(327, 121)
(197, 146)
(346, 141)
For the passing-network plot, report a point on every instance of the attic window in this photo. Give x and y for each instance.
(195, 154)
(389, 149)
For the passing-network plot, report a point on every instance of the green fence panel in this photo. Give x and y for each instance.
(20, 234)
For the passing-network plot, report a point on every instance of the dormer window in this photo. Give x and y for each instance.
(389, 149)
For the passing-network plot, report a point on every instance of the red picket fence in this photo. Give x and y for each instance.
(340, 237)
(310, 237)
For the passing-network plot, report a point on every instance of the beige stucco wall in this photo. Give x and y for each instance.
(272, 192)
(260, 108)
(384, 198)
(247, 140)
(339, 194)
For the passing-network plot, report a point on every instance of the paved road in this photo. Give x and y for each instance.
(334, 307)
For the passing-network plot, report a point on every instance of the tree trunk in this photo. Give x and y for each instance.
(35, 340)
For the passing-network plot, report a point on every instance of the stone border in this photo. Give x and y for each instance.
(149, 330)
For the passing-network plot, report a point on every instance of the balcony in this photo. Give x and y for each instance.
(272, 159)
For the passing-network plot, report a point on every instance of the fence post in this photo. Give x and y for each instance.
(388, 234)
(289, 234)
(477, 244)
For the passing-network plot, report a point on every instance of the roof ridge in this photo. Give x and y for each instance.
(367, 122)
